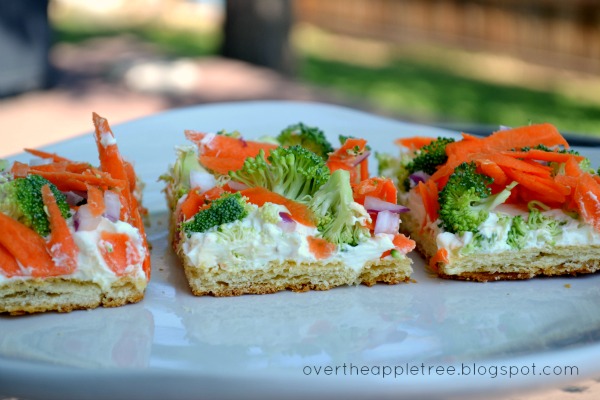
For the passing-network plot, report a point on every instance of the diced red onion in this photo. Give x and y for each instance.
(84, 220)
(202, 180)
(40, 161)
(287, 224)
(360, 158)
(113, 206)
(243, 142)
(373, 204)
(387, 222)
(74, 198)
(418, 176)
(237, 185)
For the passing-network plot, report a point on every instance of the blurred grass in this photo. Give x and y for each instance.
(422, 92)
(173, 42)
(403, 86)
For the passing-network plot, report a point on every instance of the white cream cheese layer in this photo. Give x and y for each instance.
(91, 264)
(497, 226)
(254, 241)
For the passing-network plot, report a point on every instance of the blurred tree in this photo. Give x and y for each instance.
(24, 46)
(257, 31)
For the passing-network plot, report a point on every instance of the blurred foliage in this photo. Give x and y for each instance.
(426, 93)
(404, 87)
(173, 42)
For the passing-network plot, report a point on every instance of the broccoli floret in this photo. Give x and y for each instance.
(21, 199)
(339, 218)
(227, 208)
(465, 201)
(311, 138)
(293, 172)
(517, 233)
(428, 158)
(537, 220)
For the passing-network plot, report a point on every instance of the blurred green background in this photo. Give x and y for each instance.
(447, 62)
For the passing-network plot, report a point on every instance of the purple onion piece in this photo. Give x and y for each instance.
(287, 224)
(243, 142)
(418, 176)
(237, 185)
(387, 222)
(373, 204)
(361, 158)
(112, 206)
(74, 198)
(285, 217)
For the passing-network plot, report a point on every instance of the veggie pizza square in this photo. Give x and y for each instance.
(514, 205)
(287, 212)
(71, 234)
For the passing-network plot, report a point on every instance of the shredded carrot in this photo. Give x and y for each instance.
(212, 145)
(43, 154)
(381, 188)
(222, 165)
(118, 252)
(300, 212)
(61, 244)
(492, 170)
(27, 247)
(415, 142)
(194, 201)
(8, 264)
(95, 200)
(441, 256)
(429, 195)
(541, 155)
(402, 243)
(320, 247)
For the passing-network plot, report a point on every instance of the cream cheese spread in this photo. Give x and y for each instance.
(255, 241)
(91, 265)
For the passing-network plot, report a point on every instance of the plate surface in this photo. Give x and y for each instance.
(334, 344)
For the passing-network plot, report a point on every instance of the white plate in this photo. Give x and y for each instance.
(177, 346)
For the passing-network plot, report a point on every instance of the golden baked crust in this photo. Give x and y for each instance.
(65, 295)
(288, 275)
(508, 265)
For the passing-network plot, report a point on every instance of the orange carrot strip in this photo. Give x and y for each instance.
(587, 199)
(8, 264)
(542, 155)
(545, 188)
(572, 168)
(66, 181)
(415, 142)
(381, 188)
(429, 195)
(131, 178)
(95, 200)
(226, 146)
(516, 164)
(194, 201)
(118, 251)
(402, 243)
(44, 154)
(364, 169)
(111, 160)
(492, 170)
(27, 247)
(61, 244)
(320, 247)
(441, 256)
(300, 213)
(222, 165)
(19, 170)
